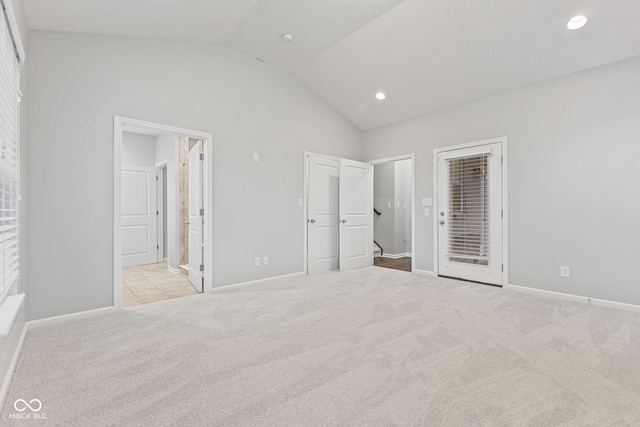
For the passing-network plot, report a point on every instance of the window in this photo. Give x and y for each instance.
(9, 158)
(469, 219)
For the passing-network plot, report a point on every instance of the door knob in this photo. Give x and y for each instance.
(312, 221)
(344, 221)
(441, 213)
(187, 222)
(441, 222)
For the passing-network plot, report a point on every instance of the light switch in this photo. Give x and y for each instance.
(405, 206)
(397, 204)
(388, 205)
(426, 211)
(300, 203)
(256, 158)
(427, 201)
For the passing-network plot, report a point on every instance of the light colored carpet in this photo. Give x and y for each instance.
(368, 347)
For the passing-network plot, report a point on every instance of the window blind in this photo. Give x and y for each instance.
(9, 158)
(469, 231)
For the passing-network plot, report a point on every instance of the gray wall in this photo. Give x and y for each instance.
(392, 184)
(79, 82)
(403, 212)
(167, 150)
(384, 192)
(573, 172)
(138, 150)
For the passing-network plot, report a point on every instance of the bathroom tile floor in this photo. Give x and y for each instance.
(148, 283)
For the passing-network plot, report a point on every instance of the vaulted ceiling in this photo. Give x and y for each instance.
(426, 55)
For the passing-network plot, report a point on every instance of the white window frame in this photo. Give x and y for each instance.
(12, 54)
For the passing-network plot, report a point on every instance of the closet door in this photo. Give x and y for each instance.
(356, 214)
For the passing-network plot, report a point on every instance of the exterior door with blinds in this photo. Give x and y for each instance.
(470, 213)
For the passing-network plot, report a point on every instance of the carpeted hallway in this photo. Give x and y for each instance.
(368, 347)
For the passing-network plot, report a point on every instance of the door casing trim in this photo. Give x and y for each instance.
(505, 204)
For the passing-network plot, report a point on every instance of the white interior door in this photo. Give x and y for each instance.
(196, 216)
(356, 214)
(322, 214)
(139, 216)
(470, 213)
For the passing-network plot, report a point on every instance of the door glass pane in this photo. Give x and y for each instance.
(469, 233)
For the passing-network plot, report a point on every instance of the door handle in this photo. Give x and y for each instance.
(187, 222)
(344, 221)
(312, 221)
(441, 222)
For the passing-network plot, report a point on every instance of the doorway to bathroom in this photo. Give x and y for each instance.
(162, 232)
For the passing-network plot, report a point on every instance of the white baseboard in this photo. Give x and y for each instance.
(12, 366)
(255, 282)
(576, 298)
(425, 272)
(396, 256)
(173, 270)
(47, 321)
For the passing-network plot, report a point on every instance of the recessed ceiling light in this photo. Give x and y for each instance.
(380, 96)
(577, 22)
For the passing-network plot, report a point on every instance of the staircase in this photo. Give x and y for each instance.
(377, 250)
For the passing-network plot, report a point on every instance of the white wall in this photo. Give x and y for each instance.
(78, 83)
(167, 151)
(572, 174)
(138, 149)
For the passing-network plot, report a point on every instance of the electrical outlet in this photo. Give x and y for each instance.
(565, 271)
(257, 261)
(426, 211)
(256, 158)
(265, 260)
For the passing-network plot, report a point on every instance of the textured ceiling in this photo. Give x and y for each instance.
(425, 54)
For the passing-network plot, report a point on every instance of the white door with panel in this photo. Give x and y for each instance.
(356, 214)
(470, 213)
(139, 216)
(322, 214)
(196, 216)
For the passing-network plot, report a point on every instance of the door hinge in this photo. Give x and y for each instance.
(503, 267)
(157, 246)
(201, 267)
(501, 159)
(157, 212)
(157, 179)
(201, 211)
(501, 213)
(201, 156)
